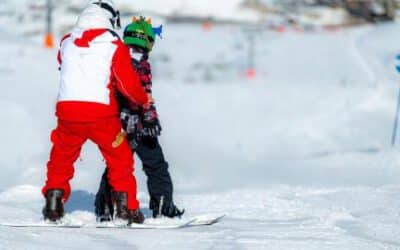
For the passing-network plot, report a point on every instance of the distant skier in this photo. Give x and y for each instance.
(142, 127)
(93, 63)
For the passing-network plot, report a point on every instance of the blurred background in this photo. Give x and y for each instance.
(277, 113)
(268, 14)
(250, 92)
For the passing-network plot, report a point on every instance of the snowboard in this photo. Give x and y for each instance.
(163, 223)
(172, 224)
(206, 220)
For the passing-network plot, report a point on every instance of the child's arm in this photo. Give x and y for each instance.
(150, 121)
(146, 76)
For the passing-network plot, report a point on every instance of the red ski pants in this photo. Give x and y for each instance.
(68, 139)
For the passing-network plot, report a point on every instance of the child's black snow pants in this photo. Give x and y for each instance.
(159, 181)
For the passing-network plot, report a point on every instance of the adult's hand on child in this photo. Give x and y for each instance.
(129, 121)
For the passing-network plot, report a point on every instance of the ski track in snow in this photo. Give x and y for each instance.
(297, 159)
(277, 218)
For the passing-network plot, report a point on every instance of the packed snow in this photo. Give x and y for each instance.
(297, 158)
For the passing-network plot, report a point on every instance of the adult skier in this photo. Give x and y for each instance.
(93, 63)
(142, 127)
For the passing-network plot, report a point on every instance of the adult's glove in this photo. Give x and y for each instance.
(129, 121)
(131, 125)
(151, 124)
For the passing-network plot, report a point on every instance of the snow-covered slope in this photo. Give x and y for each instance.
(277, 218)
(298, 158)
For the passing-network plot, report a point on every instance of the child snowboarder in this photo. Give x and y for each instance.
(142, 128)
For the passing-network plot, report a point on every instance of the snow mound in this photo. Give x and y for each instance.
(21, 194)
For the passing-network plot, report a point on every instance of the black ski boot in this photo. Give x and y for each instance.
(104, 212)
(135, 216)
(122, 211)
(54, 208)
(104, 208)
(164, 208)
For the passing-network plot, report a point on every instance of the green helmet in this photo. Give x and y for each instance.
(140, 33)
